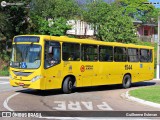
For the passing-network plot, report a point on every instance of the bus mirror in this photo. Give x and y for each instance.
(50, 49)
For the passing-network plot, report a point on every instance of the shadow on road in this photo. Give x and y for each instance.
(83, 89)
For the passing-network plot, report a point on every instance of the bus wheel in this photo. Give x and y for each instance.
(67, 85)
(126, 81)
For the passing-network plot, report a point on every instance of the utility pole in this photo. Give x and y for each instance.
(158, 41)
(157, 76)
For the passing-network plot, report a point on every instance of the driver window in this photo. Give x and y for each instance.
(52, 53)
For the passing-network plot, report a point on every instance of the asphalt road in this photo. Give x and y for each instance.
(105, 100)
(4, 85)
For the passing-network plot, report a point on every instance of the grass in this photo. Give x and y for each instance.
(4, 73)
(148, 93)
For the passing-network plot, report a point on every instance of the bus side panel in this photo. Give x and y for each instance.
(73, 68)
(134, 69)
(54, 77)
(146, 71)
(86, 72)
(99, 74)
(115, 72)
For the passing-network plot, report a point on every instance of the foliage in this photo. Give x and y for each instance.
(4, 73)
(57, 27)
(14, 19)
(109, 22)
(51, 17)
(138, 10)
(54, 8)
(95, 12)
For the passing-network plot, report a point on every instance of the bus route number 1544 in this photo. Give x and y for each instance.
(128, 67)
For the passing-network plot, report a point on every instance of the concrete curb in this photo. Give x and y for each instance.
(156, 105)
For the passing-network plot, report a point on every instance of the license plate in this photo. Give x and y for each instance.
(21, 84)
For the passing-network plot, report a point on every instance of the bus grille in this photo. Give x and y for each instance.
(22, 73)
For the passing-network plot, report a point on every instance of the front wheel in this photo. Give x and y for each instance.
(67, 85)
(126, 81)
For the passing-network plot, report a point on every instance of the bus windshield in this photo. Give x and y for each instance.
(25, 56)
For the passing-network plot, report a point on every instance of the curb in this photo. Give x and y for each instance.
(156, 105)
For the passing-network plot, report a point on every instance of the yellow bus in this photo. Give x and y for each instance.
(50, 62)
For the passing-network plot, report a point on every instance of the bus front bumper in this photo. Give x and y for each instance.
(25, 84)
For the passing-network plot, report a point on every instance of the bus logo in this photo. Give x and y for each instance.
(82, 68)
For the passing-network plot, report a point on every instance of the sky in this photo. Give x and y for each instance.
(109, 1)
(157, 5)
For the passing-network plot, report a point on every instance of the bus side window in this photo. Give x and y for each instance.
(144, 54)
(89, 52)
(106, 53)
(120, 54)
(71, 51)
(133, 55)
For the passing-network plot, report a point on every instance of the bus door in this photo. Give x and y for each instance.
(146, 64)
(52, 66)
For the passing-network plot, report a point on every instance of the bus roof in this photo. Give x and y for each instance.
(88, 41)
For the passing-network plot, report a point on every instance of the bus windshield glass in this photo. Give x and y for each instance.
(25, 56)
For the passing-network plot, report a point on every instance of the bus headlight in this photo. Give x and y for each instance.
(36, 78)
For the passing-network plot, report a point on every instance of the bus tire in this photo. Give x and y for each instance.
(126, 81)
(67, 85)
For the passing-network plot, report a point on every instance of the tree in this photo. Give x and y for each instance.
(14, 19)
(110, 23)
(57, 27)
(57, 11)
(95, 13)
(137, 9)
(13, 22)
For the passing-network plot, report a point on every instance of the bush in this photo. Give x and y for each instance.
(4, 73)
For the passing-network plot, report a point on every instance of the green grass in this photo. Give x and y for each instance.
(4, 73)
(148, 93)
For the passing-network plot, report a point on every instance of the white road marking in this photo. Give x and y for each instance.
(5, 103)
(62, 105)
(1, 82)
